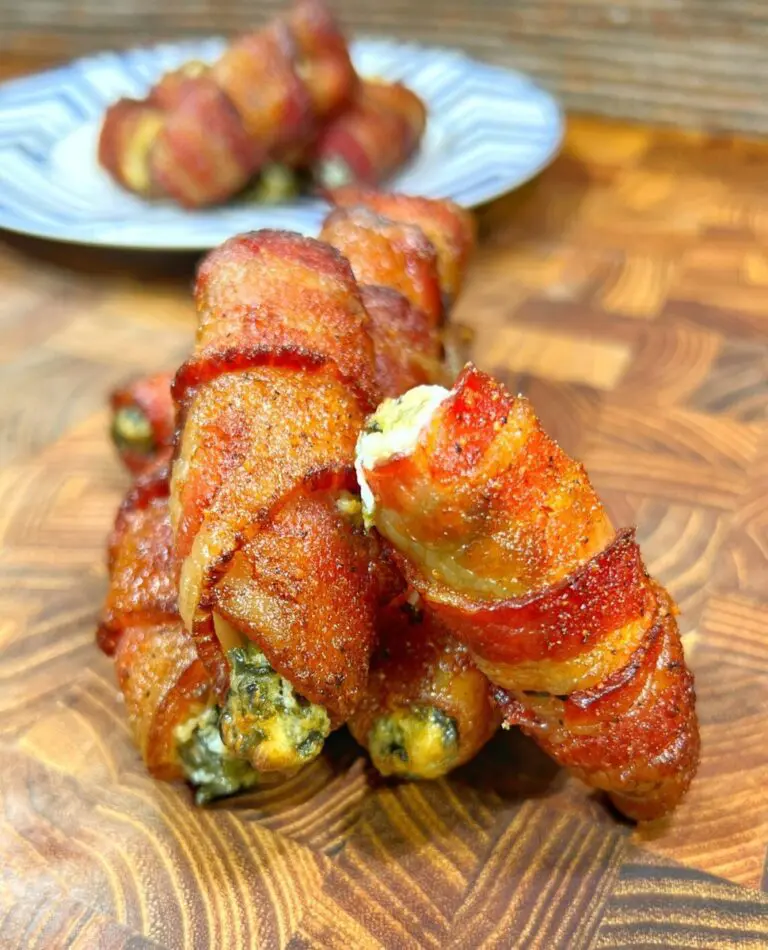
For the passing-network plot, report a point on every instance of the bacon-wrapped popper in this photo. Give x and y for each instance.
(204, 132)
(143, 421)
(167, 691)
(369, 140)
(507, 544)
(389, 254)
(271, 561)
(449, 227)
(270, 549)
(427, 708)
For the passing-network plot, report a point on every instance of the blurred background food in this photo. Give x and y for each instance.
(687, 62)
(281, 110)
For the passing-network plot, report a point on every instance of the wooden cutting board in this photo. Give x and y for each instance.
(626, 292)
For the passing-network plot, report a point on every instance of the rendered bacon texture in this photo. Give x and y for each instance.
(387, 253)
(258, 74)
(162, 680)
(427, 709)
(142, 588)
(202, 154)
(449, 227)
(271, 402)
(407, 347)
(507, 543)
(143, 420)
(322, 58)
(376, 134)
(173, 86)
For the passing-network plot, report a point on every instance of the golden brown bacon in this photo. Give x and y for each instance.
(406, 345)
(386, 253)
(271, 403)
(450, 228)
(507, 543)
(202, 154)
(162, 680)
(370, 139)
(163, 684)
(142, 588)
(427, 708)
(202, 132)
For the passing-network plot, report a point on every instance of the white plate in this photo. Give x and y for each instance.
(489, 130)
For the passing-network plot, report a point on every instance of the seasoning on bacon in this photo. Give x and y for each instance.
(167, 691)
(507, 543)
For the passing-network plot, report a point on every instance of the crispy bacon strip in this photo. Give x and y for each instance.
(369, 140)
(450, 228)
(202, 154)
(143, 421)
(507, 543)
(162, 680)
(271, 402)
(427, 709)
(407, 348)
(204, 132)
(389, 254)
(164, 684)
(142, 590)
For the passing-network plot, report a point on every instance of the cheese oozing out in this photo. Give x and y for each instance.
(393, 431)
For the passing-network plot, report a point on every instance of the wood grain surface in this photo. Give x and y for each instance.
(687, 62)
(626, 292)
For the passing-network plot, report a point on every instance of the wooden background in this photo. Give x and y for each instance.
(625, 291)
(696, 63)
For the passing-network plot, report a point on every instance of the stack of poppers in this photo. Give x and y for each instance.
(257, 602)
(281, 107)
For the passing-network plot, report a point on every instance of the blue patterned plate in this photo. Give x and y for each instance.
(489, 131)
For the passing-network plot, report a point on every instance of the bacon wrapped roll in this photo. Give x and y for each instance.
(271, 562)
(427, 708)
(449, 227)
(368, 141)
(265, 717)
(167, 691)
(128, 134)
(387, 253)
(507, 544)
(203, 132)
(143, 421)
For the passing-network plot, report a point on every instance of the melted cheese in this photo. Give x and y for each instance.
(393, 431)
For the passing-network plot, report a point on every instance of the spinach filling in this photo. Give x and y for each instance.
(418, 742)
(208, 765)
(264, 720)
(131, 429)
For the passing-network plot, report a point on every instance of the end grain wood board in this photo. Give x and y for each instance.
(626, 292)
